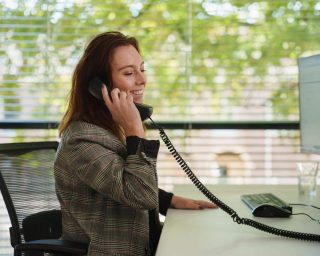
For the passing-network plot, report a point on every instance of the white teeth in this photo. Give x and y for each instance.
(138, 92)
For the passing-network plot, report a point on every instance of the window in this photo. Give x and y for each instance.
(206, 60)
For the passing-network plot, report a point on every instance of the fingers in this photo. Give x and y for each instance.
(192, 205)
(199, 205)
(123, 96)
(129, 97)
(105, 95)
(115, 97)
(186, 203)
(205, 204)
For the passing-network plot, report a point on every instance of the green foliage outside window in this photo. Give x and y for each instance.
(207, 60)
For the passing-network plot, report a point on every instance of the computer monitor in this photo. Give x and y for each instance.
(309, 102)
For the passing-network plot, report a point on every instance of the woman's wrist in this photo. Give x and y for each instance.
(173, 203)
(134, 131)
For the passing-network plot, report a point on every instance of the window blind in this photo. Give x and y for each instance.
(206, 60)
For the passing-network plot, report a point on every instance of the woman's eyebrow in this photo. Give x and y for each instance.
(130, 66)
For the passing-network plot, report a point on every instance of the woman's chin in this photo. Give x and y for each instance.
(138, 100)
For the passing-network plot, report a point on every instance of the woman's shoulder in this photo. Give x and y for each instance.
(85, 128)
(79, 132)
(81, 129)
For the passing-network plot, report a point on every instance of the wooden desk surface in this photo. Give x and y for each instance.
(213, 232)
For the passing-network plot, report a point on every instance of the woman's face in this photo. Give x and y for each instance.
(127, 71)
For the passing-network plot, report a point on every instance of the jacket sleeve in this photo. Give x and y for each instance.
(131, 180)
(164, 201)
(164, 197)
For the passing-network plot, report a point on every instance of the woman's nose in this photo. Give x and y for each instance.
(140, 77)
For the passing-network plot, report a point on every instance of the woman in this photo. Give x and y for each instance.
(105, 168)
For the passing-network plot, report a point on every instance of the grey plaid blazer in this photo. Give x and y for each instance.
(106, 194)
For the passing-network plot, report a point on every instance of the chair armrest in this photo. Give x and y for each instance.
(54, 246)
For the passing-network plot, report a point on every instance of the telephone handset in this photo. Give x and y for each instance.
(145, 112)
(95, 89)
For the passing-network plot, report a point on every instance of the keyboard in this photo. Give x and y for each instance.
(254, 200)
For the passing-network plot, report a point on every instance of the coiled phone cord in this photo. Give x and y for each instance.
(202, 188)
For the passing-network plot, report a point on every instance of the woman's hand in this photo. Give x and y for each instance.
(123, 111)
(179, 202)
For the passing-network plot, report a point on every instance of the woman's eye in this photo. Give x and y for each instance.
(143, 70)
(128, 73)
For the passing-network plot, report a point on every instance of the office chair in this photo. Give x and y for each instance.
(28, 190)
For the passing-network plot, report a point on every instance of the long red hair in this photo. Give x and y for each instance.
(95, 61)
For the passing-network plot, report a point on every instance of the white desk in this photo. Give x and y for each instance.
(213, 232)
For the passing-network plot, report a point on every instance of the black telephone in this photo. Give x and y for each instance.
(95, 89)
(145, 112)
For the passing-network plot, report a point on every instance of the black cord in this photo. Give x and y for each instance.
(223, 206)
(313, 206)
(302, 213)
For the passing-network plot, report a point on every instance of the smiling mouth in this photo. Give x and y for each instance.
(137, 92)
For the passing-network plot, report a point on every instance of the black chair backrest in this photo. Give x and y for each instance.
(28, 189)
